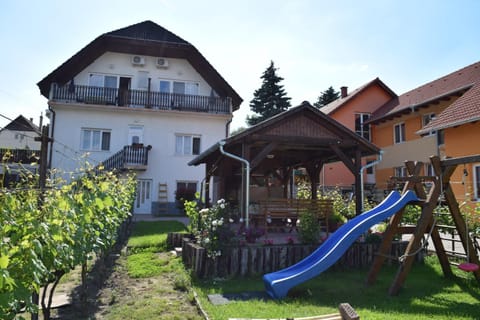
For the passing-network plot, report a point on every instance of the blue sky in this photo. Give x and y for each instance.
(315, 44)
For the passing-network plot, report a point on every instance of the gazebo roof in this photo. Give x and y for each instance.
(293, 138)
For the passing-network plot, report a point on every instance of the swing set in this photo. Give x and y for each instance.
(440, 191)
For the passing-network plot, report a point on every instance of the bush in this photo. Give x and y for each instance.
(308, 227)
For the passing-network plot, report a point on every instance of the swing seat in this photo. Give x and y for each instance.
(468, 267)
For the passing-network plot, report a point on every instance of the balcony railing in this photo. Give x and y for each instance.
(25, 156)
(140, 99)
(134, 157)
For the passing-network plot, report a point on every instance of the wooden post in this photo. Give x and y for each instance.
(42, 179)
(358, 186)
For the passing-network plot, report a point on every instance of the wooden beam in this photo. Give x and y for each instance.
(344, 158)
(460, 160)
(262, 154)
(296, 140)
(358, 182)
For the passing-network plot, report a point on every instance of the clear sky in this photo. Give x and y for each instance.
(315, 44)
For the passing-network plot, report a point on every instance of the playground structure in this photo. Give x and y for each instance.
(440, 192)
(278, 283)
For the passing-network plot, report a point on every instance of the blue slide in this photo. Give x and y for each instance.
(278, 283)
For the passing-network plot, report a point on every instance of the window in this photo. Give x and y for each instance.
(370, 170)
(400, 172)
(179, 87)
(476, 181)
(100, 80)
(399, 132)
(429, 170)
(362, 129)
(186, 190)
(426, 120)
(95, 139)
(187, 145)
(164, 86)
(440, 137)
(142, 79)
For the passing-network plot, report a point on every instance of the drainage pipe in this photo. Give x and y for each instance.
(221, 143)
(368, 165)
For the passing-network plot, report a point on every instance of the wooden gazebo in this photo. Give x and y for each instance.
(301, 137)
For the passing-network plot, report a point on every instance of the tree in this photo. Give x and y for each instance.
(326, 97)
(270, 99)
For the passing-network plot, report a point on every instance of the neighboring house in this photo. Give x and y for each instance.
(437, 118)
(353, 110)
(18, 149)
(20, 134)
(139, 98)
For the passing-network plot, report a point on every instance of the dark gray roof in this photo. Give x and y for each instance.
(147, 30)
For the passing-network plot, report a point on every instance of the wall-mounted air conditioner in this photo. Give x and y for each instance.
(162, 63)
(138, 60)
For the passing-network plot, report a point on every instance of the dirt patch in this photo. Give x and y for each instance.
(112, 294)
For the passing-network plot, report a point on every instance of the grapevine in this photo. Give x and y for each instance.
(42, 241)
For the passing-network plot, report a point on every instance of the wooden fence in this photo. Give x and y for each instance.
(254, 260)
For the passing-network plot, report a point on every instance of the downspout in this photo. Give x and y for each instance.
(221, 143)
(368, 165)
(227, 127)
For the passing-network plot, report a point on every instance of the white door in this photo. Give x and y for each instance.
(143, 201)
(135, 134)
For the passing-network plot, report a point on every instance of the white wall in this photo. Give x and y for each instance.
(120, 64)
(160, 128)
(18, 140)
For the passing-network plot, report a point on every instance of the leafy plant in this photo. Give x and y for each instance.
(308, 227)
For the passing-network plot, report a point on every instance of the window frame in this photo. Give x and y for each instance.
(400, 171)
(426, 119)
(102, 136)
(191, 148)
(361, 131)
(402, 132)
(104, 80)
(476, 181)
(188, 87)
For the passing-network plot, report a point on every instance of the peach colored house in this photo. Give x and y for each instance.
(353, 110)
(438, 118)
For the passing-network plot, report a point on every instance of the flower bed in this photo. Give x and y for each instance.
(256, 259)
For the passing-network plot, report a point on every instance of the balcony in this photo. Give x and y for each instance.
(134, 157)
(140, 99)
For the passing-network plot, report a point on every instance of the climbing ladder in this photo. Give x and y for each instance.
(162, 199)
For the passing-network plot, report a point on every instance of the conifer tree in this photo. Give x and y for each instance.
(326, 97)
(270, 99)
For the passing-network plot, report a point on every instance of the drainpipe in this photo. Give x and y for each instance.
(227, 127)
(368, 165)
(221, 143)
(52, 131)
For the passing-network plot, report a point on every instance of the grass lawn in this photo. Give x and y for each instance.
(426, 295)
(152, 234)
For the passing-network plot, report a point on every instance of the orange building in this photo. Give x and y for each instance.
(353, 110)
(437, 118)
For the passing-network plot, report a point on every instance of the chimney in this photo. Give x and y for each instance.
(31, 120)
(343, 92)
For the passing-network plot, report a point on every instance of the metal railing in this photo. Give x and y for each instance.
(134, 156)
(140, 99)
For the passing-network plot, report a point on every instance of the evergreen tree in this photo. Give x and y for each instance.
(270, 99)
(326, 97)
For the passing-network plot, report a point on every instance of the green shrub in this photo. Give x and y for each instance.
(308, 227)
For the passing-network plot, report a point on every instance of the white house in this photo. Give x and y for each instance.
(139, 98)
(20, 133)
(18, 149)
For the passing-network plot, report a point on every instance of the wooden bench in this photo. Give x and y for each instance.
(345, 312)
(287, 211)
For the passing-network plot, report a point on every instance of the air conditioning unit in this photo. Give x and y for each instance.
(162, 63)
(138, 61)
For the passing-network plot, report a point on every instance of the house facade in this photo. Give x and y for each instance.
(139, 98)
(353, 110)
(18, 149)
(437, 118)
